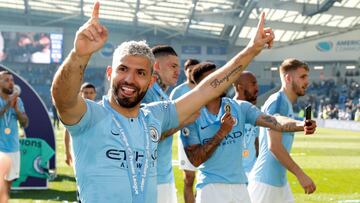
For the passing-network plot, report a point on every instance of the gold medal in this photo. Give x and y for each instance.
(227, 108)
(245, 153)
(7, 131)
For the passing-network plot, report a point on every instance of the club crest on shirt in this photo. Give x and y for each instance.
(186, 131)
(154, 134)
(227, 108)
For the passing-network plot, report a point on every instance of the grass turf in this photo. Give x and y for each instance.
(330, 157)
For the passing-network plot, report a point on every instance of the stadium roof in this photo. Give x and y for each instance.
(231, 20)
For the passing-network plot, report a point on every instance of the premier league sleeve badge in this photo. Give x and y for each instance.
(185, 132)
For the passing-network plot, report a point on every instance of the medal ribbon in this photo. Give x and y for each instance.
(138, 196)
(248, 135)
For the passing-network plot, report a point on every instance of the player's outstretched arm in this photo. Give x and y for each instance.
(285, 159)
(186, 122)
(216, 83)
(67, 81)
(285, 124)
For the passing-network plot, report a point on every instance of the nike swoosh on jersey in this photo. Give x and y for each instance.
(114, 133)
(202, 128)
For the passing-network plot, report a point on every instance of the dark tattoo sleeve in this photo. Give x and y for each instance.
(216, 82)
(4, 109)
(23, 119)
(289, 127)
(198, 154)
(271, 121)
(280, 123)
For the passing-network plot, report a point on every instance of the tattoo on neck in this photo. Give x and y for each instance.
(216, 82)
(159, 81)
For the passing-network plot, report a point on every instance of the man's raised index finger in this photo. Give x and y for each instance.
(95, 13)
(261, 21)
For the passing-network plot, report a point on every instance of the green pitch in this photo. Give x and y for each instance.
(330, 157)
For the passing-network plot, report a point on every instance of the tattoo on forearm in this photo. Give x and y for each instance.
(159, 81)
(289, 127)
(23, 119)
(4, 109)
(271, 120)
(281, 125)
(198, 154)
(215, 83)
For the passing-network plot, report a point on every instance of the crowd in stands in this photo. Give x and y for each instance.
(334, 99)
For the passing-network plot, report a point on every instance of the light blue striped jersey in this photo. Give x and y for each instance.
(267, 168)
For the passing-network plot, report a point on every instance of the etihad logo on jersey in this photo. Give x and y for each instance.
(122, 156)
(231, 138)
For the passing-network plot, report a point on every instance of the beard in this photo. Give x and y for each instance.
(7, 91)
(127, 102)
(297, 89)
(250, 97)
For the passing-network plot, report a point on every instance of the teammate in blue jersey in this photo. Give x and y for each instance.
(11, 112)
(166, 71)
(115, 141)
(268, 182)
(214, 143)
(184, 163)
(246, 89)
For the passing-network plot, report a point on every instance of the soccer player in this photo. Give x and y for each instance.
(184, 163)
(166, 70)
(214, 143)
(115, 142)
(11, 112)
(246, 89)
(267, 180)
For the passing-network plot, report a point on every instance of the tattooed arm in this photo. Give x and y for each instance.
(66, 84)
(4, 108)
(199, 153)
(188, 121)
(216, 83)
(284, 124)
